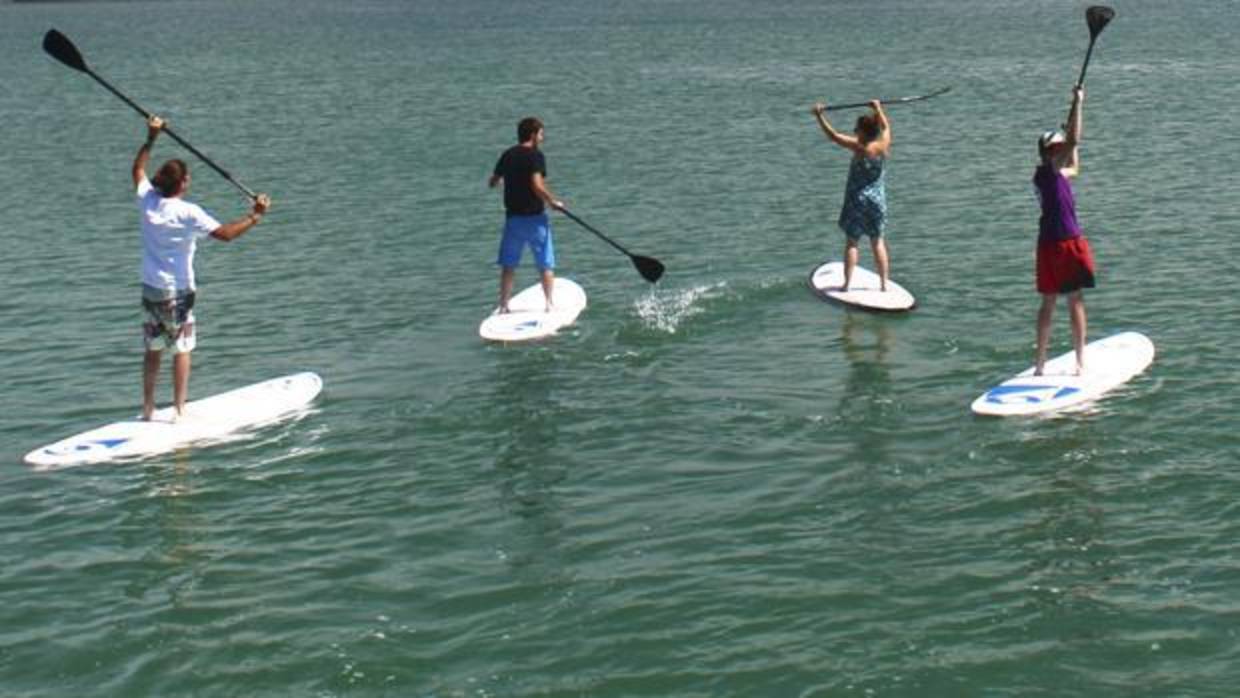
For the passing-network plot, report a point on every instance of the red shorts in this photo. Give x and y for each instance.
(1065, 266)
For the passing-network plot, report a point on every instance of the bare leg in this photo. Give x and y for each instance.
(150, 373)
(881, 260)
(548, 286)
(1076, 309)
(1045, 314)
(851, 255)
(505, 288)
(180, 380)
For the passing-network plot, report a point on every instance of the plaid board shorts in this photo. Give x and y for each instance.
(168, 320)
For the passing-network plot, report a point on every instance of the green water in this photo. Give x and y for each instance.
(720, 486)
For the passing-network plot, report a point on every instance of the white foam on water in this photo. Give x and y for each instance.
(665, 311)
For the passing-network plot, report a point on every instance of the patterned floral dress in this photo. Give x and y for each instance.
(865, 198)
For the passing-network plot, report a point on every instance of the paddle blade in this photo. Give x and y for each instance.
(649, 267)
(63, 50)
(1098, 16)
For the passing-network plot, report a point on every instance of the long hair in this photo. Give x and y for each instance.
(168, 179)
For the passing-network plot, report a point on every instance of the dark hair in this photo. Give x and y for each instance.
(527, 127)
(169, 177)
(867, 127)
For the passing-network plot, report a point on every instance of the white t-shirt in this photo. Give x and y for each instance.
(170, 232)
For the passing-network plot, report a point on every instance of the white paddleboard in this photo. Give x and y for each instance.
(863, 289)
(527, 317)
(208, 419)
(1109, 363)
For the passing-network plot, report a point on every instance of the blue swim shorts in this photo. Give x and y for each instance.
(520, 231)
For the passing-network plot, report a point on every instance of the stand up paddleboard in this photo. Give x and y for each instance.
(1109, 363)
(527, 317)
(208, 419)
(863, 289)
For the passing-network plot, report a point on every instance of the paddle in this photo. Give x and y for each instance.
(650, 268)
(1097, 16)
(62, 49)
(889, 102)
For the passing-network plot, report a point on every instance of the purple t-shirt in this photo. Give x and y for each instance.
(1058, 221)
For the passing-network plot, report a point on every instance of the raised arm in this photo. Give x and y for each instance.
(153, 126)
(1073, 132)
(819, 111)
(880, 146)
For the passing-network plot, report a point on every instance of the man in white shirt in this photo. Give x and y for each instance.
(171, 228)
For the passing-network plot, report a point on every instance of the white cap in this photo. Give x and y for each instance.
(1051, 138)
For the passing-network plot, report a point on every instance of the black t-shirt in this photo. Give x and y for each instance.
(517, 166)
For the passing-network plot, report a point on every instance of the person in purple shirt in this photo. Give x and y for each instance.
(1065, 264)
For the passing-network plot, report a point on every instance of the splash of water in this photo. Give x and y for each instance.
(665, 311)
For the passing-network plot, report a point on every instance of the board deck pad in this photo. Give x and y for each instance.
(863, 289)
(210, 419)
(527, 317)
(1109, 363)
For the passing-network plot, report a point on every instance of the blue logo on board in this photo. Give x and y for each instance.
(1008, 394)
(86, 446)
(527, 326)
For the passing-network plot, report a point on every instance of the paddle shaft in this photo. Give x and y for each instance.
(64, 51)
(1097, 17)
(885, 102)
(1080, 81)
(184, 144)
(591, 228)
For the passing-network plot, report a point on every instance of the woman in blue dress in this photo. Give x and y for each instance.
(865, 196)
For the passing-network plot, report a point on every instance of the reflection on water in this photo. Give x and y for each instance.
(175, 553)
(527, 420)
(868, 399)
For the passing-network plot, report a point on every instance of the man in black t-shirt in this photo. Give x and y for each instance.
(523, 169)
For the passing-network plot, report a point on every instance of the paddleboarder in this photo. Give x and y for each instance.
(523, 170)
(865, 196)
(1065, 263)
(171, 228)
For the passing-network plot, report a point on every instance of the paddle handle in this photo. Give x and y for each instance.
(184, 144)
